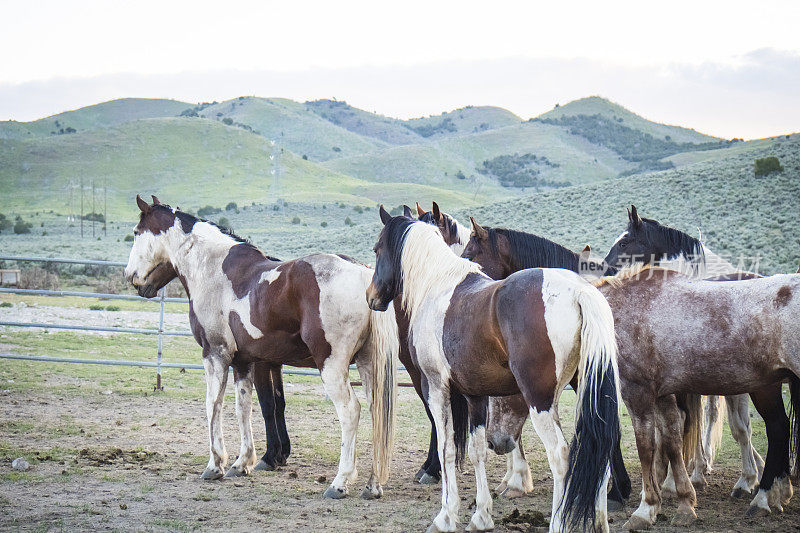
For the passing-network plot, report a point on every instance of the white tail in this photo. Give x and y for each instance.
(598, 342)
(385, 349)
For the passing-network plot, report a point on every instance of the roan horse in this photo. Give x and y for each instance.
(648, 242)
(245, 308)
(529, 333)
(689, 337)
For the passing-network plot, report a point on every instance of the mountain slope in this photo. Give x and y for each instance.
(101, 115)
(294, 127)
(385, 129)
(595, 105)
(464, 121)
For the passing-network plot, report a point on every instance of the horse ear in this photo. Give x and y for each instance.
(144, 207)
(798, 270)
(420, 211)
(633, 216)
(385, 217)
(477, 230)
(437, 215)
(585, 253)
(155, 200)
(407, 211)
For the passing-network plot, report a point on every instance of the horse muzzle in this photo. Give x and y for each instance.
(501, 445)
(147, 290)
(374, 299)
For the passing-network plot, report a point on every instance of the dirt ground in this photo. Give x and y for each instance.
(123, 458)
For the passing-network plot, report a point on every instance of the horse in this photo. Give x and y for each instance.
(528, 333)
(664, 350)
(246, 308)
(648, 242)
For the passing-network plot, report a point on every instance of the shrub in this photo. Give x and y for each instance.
(358, 209)
(97, 217)
(305, 157)
(39, 278)
(296, 220)
(6, 304)
(5, 223)
(20, 226)
(227, 121)
(113, 308)
(111, 285)
(348, 222)
(95, 307)
(767, 165)
(128, 238)
(224, 222)
(337, 149)
(207, 211)
(231, 206)
(323, 224)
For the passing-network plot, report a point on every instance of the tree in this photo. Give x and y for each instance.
(767, 165)
(227, 121)
(231, 206)
(20, 226)
(4, 222)
(224, 222)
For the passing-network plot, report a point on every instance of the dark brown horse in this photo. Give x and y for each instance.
(482, 338)
(246, 308)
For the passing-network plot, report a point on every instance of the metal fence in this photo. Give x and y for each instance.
(160, 331)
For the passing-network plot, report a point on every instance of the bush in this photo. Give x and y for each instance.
(113, 308)
(358, 209)
(767, 165)
(39, 278)
(5, 223)
(227, 121)
(111, 285)
(20, 226)
(224, 222)
(296, 220)
(95, 307)
(207, 211)
(323, 224)
(6, 304)
(128, 238)
(97, 217)
(231, 206)
(348, 222)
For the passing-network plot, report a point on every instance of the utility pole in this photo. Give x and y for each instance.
(81, 207)
(105, 207)
(93, 215)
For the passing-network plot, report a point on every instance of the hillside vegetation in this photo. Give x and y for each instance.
(386, 129)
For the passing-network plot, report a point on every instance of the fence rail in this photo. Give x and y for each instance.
(160, 332)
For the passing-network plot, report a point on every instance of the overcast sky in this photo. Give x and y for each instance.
(726, 68)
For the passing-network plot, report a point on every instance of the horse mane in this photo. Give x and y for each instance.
(456, 232)
(674, 239)
(626, 273)
(532, 251)
(426, 263)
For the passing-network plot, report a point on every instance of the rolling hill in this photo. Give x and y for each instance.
(385, 129)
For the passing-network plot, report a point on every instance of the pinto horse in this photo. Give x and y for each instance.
(246, 309)
(648, 242)
(480, 337)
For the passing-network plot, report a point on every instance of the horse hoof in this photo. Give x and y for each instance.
(740, 493)
(757, 512)
(699, 485)
(501, 488)
(371, 493)
(235, 472)
(481, 524)
(211, 474)
(613, 506)
(636, 523)
(684, 519)
(428, 479)
(419, 474)
(263, 465)
(334, 493)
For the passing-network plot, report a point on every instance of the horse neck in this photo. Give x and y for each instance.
(463, 233)
(198, 255)
(716, 265)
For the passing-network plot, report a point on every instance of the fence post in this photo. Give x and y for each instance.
(160, 339)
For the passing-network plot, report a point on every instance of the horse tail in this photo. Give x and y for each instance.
(693, 426)
(385, 342)
(460, 412)
(715, 418)
(597, 425)
(794, 421)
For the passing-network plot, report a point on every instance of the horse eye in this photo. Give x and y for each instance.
(623, 244)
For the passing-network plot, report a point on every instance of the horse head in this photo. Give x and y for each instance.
(149, 268)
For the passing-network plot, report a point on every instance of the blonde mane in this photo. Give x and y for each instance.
(626, 273)
(428, 266)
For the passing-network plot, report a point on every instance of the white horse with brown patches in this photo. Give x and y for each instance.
(246, 308)
(529, 333)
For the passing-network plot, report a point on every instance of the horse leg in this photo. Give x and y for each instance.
(711, 437)
(517, 481)
(775, 488)
(372, 489)
(643, 418)
(482, 518)
(752, 463)
(336, 380)
(243, 379)
(280, 416)
(216, 371)
(548, 428)
(265, 388)
(671, 422)
(430, 473)
(439, 403)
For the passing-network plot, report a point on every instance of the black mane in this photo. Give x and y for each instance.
(450, 225)
(532, 251)
(673, 241)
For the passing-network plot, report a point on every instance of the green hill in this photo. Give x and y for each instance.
(386, 129)
(467, 120)
(738, 213)
(595, 105)
(293, 126)
(102, 115)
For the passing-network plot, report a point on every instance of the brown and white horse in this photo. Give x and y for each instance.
(480, 337)
(246, 308)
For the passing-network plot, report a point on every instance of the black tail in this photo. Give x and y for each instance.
(619, 474)
(460, 412)
(794, 421)
(597, 434)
